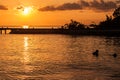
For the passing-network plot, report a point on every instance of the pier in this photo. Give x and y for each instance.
(4, 29)
(21, 30)
(39, 30)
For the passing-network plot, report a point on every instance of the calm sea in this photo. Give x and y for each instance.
(58, 57)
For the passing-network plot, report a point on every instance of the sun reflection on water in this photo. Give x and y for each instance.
(25, 54)
(25, 43)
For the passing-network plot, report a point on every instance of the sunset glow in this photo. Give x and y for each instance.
(27, 10)
(25, 27)
(45, 12)
(59, 39)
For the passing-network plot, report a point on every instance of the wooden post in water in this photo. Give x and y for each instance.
(0, 31)
(5, 31)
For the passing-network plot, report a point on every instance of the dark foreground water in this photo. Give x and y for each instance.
(58, 57)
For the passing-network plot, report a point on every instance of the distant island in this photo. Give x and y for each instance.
(110, 26)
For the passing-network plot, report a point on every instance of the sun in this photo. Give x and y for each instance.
(25, 27)
(27, 10)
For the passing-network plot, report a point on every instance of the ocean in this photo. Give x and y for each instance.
(58, 57)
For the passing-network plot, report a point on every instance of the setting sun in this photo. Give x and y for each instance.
(27, 10)
(25, 27)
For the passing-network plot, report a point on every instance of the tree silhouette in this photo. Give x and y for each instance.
(116, 13)
(111, 23)
(73, 25)
(116, 20)
(107, 24)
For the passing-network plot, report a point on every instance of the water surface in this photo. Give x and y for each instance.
(58, 57)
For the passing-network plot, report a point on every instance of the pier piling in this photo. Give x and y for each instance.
(0, 31)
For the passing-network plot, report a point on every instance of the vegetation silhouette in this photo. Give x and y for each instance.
(73, 25)
(110, 23)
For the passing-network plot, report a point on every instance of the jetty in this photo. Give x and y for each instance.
(18, 30)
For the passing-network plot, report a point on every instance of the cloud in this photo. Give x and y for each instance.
(102, 5)
(84, 3)
(20, 8)
(69, 6)
(47, 8)
(65, 6)
(97, 5)
(2, 7)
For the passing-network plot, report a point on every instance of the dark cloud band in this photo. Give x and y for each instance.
(102, 5)
(66, 6)
(98, 5)
(2, 7)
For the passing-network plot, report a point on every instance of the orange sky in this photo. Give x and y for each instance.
(54, 12)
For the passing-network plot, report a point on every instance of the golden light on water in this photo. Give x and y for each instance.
(25, 54)
(25, 43)
(25, 27)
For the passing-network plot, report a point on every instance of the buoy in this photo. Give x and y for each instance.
(96, 53)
